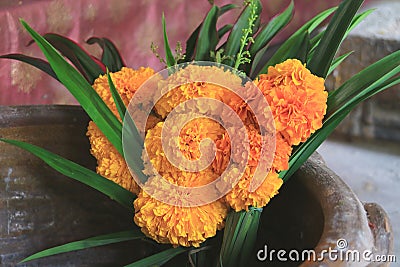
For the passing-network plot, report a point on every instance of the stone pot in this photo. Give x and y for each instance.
(40, 208)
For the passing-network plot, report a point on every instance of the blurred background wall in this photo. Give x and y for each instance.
(131, 25)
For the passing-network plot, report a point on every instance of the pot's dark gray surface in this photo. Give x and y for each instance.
(40, 208)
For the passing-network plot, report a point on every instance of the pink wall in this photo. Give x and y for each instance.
(132, 25)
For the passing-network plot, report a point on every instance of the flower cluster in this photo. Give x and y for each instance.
(297, 102)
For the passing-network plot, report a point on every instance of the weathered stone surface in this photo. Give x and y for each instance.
(377, 36)
(39, 208)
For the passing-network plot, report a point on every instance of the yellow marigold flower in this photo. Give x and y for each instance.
(240, 198)
(282, 153)
(110, 163)
(196, 81)
(165, 223)
(184, 226)
(188, 142)
(297, 99)
(127, 81)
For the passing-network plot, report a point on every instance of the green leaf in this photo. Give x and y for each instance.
(226, 8)
(133, 155)
(290, 46)
(168, 53)
(336, 62)
(239, 236)
(79, 173)
(315, 41)
(333, 36)
(224, 29)
(159, 258)
(208, 36)
(85, 63)
(88, 243)
(361, 81)
(302, 50)
(271, 29)
(81, 90)
(191, 41)
(116, 97)
(200, 257)
(256, 61)
(290, 49)
(33, 61)
(254, 216)
(111, 56)
(233, 43)
(133, 147)
(357, 19)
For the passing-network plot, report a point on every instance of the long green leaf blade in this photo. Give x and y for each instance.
(271, 29)
(191, 41)
(159, 258)
(307, 148)
(79, 173)
(289, 48)
(234, 39)
(116, 97)
(361, 80)
(191, 44)
(81, 90)
(333, 36)
(315, 41)
(168, 53)
(239, 235)
(336, 62)
(33, 61)
(88, 243)
(208, 35)
(75, 53)
(111, 56)
(224, 29)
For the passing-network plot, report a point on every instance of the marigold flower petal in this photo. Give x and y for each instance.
(240, 198)
(191, 135)
(297, 99)
(110, 163)
(183, 226)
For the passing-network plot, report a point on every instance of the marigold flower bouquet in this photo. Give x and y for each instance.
(199, 148)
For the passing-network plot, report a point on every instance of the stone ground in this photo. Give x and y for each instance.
(372, 170)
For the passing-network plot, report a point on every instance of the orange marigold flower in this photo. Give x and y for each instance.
(196, 81)
(297, 99)
(110, 163)
(240, 198)
(282, 153)
(165, 223)
(188, 142)
(184, 226)
(127, 81)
